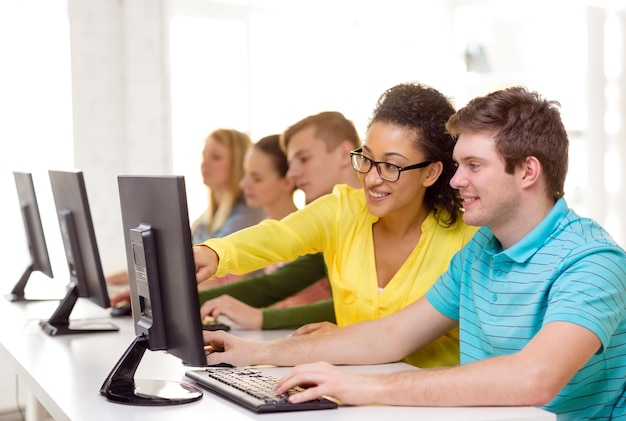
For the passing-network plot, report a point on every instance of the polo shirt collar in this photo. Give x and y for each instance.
(534, 240)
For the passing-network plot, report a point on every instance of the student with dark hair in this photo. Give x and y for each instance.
(385, 244)
(265, 184)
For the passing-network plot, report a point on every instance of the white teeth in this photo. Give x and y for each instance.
(376, 195)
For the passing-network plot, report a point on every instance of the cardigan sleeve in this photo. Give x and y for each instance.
(296, 316)
(306, 231)
(264, 290)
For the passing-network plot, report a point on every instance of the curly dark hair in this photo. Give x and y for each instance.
(425, 111)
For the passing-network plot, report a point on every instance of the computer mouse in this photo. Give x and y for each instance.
(122, 311)
(216, 326)
(211, 323)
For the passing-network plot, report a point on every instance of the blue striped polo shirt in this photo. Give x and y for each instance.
(567, 269)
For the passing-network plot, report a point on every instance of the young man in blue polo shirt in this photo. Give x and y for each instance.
(539, 293)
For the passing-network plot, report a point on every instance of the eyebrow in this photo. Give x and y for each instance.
(387, 154)
(467, 158)
(475, 157)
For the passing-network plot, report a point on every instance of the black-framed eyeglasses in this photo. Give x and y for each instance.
(386, 171)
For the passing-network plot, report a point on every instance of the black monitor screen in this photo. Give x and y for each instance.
(40, 259)
(164, 294)
(81, 251)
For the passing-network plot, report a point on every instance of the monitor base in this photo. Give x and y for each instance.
(77, 327)
(17, 293)
(16, 298)
(152, 393)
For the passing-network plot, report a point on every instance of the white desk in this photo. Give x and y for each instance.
(64, 374)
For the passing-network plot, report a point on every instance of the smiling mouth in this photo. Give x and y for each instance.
(377, 195)
(468, 200)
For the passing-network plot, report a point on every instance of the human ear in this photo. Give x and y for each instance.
(531, 171)
(434, 171)
(346, 147)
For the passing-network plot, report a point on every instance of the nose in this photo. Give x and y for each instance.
(293, 171)
(372, 177)
(204, 165)
(458, 180)
(204, 169)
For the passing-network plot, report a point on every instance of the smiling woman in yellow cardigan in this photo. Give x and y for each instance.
(384, 245)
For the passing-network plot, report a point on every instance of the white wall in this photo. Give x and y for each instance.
(121, 105)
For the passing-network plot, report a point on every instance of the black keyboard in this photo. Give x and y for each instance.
(253, 389)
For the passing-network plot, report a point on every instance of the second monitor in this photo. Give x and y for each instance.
(81, 251)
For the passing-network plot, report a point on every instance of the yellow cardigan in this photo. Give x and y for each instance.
(340, 226)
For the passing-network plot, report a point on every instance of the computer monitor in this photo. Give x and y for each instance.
(81, 252)
(164, 293)
(40, 259)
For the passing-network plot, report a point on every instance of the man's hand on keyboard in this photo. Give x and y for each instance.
(223, 347)
(322, 379)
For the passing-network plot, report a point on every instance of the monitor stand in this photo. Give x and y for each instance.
(59, 323)
(121, 386)
(17, 293)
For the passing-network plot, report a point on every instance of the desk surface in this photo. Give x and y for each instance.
(65, 374)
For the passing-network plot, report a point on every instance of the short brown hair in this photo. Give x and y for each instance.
(330, 126)
(523, 124)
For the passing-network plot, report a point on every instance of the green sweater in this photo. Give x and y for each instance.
(265, 290)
